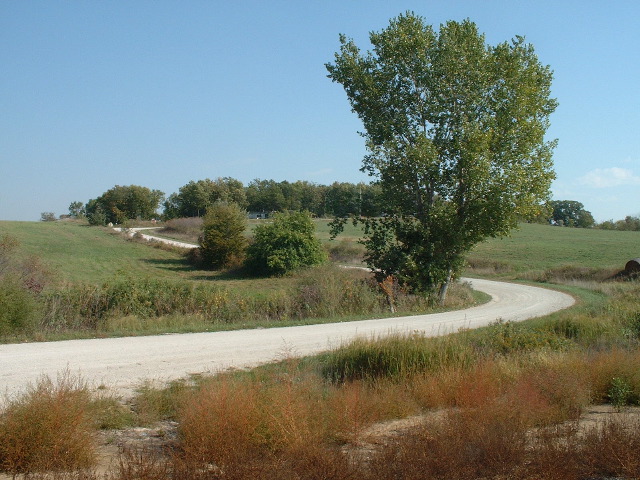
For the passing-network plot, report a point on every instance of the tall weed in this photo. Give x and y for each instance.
(49, 428)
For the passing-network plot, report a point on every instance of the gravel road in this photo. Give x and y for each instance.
(121, 364)
(132, 231)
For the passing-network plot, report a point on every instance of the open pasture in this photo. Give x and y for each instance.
(538, 248)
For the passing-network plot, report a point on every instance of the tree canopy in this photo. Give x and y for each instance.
(194, 198)
(122, 203)
(570, 213)
(454, 130)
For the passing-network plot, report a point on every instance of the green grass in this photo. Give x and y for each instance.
(542, 247)
(77, 253)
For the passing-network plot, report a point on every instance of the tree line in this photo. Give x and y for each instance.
(340, 199)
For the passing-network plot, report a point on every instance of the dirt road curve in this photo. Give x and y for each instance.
(122, 363)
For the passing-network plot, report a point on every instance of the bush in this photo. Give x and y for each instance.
(223, 242)
(21, 281)
(19, 309)
(49, 428)
(47, 217)
(284, 245)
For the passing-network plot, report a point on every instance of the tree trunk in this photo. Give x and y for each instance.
(442, 295)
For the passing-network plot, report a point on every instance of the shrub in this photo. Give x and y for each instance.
(19, 309)
(285, 244)
(223, 243)
(21, 281)
(47, 217)
(619, 392)
(49, 428)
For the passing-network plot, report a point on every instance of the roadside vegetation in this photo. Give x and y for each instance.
(68, 280)
(503, 401)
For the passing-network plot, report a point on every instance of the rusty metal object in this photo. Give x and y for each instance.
(633, 266)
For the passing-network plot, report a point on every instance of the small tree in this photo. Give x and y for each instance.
(223, 243)
(76, 209)
(285, 244)
(47, 217)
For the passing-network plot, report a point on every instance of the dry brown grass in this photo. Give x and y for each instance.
(49, 428)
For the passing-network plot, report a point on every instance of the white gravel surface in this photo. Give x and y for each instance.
(123, 363)
(132, 231)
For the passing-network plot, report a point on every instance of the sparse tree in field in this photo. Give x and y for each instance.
(571, 214)
(47, 217)
(284, 244)
(76, 209)
(455, 131)
(223, 242)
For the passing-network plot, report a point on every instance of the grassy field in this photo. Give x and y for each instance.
(541, 247)
(75, 253)
(96, 282)
(78, 253)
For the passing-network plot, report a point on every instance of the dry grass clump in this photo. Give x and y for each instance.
(190, 226)
(49, 428)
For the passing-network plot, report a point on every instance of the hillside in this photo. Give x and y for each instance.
(78, 253)
(89, 254)
(542, 247)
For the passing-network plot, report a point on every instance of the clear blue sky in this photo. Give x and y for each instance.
(157, 93)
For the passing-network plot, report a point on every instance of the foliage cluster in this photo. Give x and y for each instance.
(260, 196)
(570, 213)
(22, 280)
(449, 123)
(223, 242)
(194, 198)
(128, 304)
(122, 203)
(629, 224)
(50, 428)
(47, 217)
(286, 243)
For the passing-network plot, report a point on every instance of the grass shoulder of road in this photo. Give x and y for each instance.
(102, 283)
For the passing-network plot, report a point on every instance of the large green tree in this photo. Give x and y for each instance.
(455, 132)
(122, 203)
(194, 198)
(571, 213)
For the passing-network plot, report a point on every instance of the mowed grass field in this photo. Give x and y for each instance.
(542, 247)
(79, 253)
